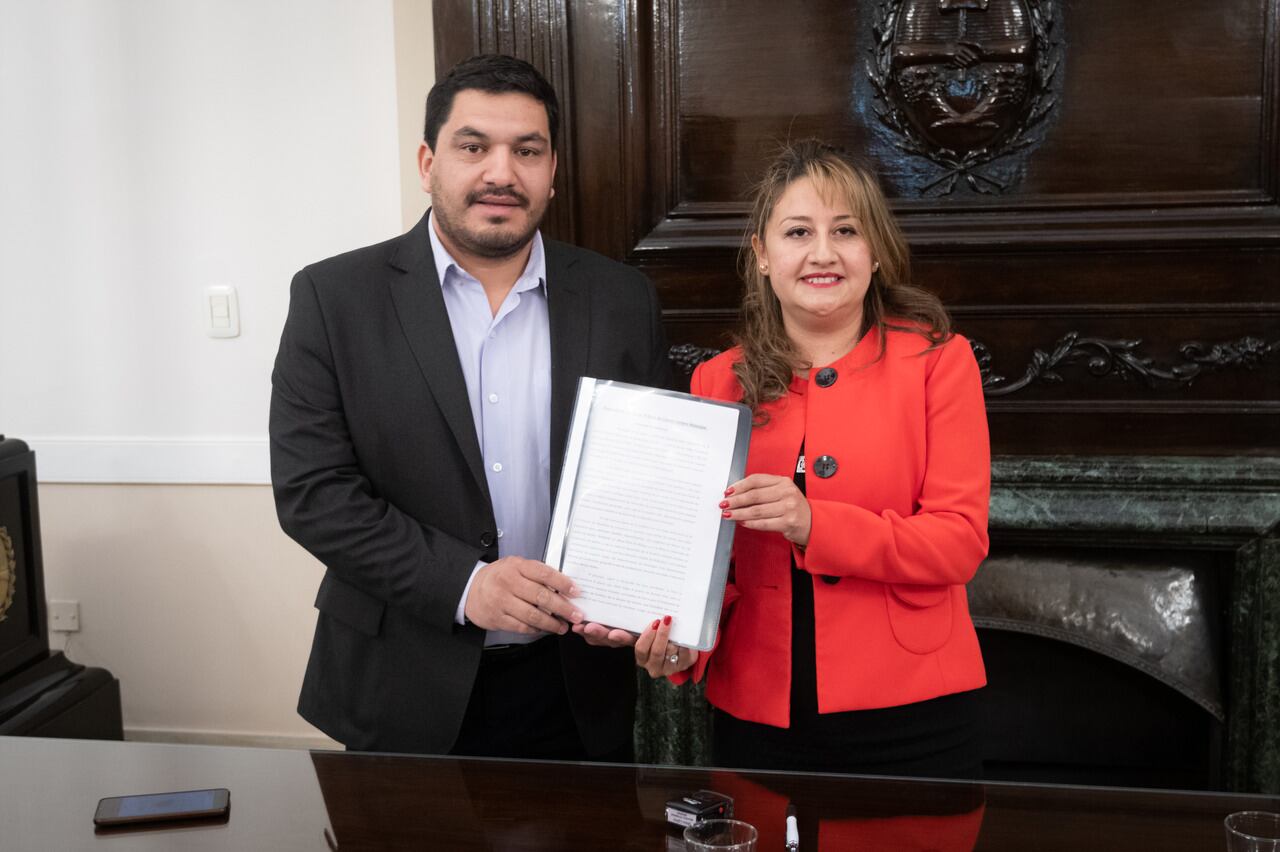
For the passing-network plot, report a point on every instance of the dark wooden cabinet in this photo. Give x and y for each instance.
(42, 693)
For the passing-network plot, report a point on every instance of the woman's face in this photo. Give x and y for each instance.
(817, 260)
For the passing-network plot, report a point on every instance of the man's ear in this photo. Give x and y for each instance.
(425, 159)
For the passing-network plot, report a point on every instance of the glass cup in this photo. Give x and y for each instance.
(720, 835)
(1253, 831)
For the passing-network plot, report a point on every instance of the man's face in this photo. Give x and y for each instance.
(490, 174)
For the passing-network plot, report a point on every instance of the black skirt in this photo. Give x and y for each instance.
(938, 738)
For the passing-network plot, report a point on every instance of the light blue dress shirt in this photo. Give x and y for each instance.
(506, 362)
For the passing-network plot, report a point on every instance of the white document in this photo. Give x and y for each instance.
(637, 522)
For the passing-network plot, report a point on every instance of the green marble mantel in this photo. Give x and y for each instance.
(1229, 505)
(1202, 502)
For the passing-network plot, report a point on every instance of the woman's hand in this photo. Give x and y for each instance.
(659, 657)
(772, 503)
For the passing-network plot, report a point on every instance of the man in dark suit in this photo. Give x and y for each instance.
(420, 406)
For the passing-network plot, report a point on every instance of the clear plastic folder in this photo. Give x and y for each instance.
(637, 522)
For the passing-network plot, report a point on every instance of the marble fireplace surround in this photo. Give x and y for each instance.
(1229, 506)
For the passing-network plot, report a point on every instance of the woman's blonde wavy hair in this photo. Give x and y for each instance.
(769, 359)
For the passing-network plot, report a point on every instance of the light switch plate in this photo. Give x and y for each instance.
(221, 311)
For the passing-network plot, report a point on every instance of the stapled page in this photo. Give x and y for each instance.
(637, 522)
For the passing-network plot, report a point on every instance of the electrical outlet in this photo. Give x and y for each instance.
(64, 616)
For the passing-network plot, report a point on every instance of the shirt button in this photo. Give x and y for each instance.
(827, 377)
(486, 539)
(499, 533)
(825, 466)
(493, 397)
(497, 467)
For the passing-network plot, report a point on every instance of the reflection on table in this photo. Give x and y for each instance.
(287, 800)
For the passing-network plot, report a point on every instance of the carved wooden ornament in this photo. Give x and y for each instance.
(965, 83)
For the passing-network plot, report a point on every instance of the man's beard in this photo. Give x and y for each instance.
(493, 243)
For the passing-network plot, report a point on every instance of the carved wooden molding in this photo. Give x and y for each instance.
(1101, 358)
(685, 357)
(1124, 359)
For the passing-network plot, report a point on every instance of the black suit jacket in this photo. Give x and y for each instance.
(377, 471)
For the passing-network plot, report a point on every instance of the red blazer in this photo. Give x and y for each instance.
(902, 524)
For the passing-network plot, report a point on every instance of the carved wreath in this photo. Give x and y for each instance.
(8, 573)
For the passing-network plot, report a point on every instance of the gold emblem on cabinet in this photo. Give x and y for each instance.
(8, 573)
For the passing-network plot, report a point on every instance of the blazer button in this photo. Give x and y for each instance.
(486, 539)
(825, 466)
(827, 377)
(829, 580)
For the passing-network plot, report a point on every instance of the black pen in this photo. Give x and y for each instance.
(793, 831)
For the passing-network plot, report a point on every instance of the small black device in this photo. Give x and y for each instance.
(693, 808)
(163, 807)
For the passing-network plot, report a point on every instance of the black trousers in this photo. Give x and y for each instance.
(519, 708)
(938, 738)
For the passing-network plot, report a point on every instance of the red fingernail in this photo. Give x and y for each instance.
(666, 619)
(726, 514)
(655, 624)
(728, 491)
(724, 504)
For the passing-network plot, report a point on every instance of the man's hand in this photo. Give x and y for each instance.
(522, 596)
(605, 637)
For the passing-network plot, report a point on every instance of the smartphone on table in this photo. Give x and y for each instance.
(163, 807)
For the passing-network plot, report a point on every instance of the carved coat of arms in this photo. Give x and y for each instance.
(964, 83)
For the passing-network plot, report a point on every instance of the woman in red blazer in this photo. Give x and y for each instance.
(846, 643)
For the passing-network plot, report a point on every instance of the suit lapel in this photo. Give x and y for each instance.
(569, 310)
(420, 307)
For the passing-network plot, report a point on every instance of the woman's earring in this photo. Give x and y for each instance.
(764, 269)
(876, 266)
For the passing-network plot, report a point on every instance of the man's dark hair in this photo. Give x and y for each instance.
(493, 73)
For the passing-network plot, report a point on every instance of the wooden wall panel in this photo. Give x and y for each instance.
(1143, 211)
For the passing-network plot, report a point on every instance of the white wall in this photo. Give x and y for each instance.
(152, 148)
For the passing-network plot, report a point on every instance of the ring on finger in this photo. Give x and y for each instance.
(673, 659)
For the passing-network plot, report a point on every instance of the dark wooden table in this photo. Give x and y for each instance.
(290, 800)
